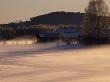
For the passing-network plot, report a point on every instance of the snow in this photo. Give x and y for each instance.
(50, 62)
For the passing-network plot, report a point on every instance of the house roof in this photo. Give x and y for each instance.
(69, 32)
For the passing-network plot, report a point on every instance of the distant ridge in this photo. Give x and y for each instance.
(58, 18)
(54, 18)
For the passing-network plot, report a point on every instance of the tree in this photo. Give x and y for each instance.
(95, 19)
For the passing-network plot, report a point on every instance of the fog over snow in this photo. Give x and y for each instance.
(54, 63)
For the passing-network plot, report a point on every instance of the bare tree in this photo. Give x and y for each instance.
(95, 23)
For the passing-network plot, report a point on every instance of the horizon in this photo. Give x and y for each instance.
(15, 10)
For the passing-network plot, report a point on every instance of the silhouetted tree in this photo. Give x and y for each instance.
(95, 18)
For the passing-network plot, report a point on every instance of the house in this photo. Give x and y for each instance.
(65, 34)
(69, 35)
(47, 36)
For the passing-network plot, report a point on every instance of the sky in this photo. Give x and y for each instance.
(15, 10)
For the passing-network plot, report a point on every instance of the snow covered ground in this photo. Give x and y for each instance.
(54, 63)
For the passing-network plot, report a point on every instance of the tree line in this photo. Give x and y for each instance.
(13, 32)
(42, 23)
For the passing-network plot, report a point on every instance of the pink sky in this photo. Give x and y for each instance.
(14, 10)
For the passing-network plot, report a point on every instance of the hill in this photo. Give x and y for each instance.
(54, 18)
(58, 18)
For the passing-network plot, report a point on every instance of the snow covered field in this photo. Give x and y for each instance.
(54, 63)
